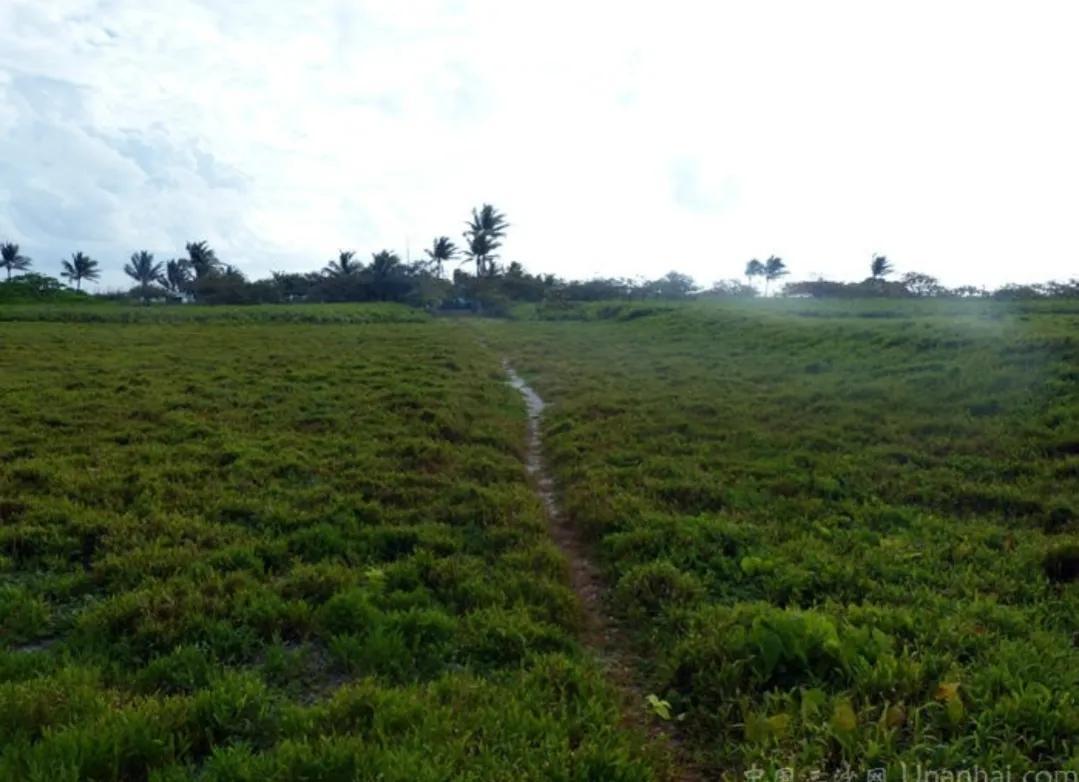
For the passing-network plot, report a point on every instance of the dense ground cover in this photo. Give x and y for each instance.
(262, 550)
(842, 532)
(93, 311)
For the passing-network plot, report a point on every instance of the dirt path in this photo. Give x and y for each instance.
(600, 631)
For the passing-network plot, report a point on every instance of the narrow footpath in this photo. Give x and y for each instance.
(600, 630)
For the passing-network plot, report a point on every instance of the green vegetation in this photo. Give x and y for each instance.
(298, 542)
(281, 550)
(841, 532)
(494, 289)
(113, 312)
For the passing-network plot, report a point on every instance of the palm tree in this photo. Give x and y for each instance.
(485, 229)
(442, 250)
(80, 267)
(177, 276)
(143, 270)
(774, 268)
(881, 267)
(481, 250)
(11, 260)
(384, 263)
(344, 265)
(754, 269)
(202, 259)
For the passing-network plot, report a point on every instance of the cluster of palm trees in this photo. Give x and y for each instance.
(774, 268)
(175, 275)
(383, 264)
(178, 274)
(181, 276)
(80, 267)
(483, 236)
(771, 270)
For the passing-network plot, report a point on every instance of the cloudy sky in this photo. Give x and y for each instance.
(622, 138)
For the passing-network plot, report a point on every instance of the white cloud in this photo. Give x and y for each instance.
(621, 138)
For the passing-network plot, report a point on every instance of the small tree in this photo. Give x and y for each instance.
(144, 271)
(442, 251)
(730, 289)
(80, 267)
(11, 260)
(774, 268)
(918, 284)
(672, 285)
(880, 267)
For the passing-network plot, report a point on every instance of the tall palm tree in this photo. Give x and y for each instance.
(203, 260)
(442, 250)
(143, 270)
(80, 267)
(11, 260)
(881, 267)
(754, 269)
(344, 265)
(177, 275)
(484, 234)
(774, 268)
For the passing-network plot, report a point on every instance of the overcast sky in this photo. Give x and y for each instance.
(621, 138)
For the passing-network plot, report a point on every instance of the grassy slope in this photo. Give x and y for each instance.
(280, 552)
(829, 523)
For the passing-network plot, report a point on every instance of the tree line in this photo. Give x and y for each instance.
(200, 276)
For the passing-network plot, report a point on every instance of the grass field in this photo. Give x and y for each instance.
(278, 551)
(842, 534)
(283, 543)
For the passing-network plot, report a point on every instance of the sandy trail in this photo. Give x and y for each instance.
(600, 630)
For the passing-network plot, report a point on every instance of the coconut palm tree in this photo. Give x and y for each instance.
(754, 269)
(144, 271)
(80, 267)
(442, 250)
(384, 263)
(485, 230)
(774, 268)
(11, 260)
(177, 276)
(202, 259)
(481, 251)
(344, 265)
(881, 267)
